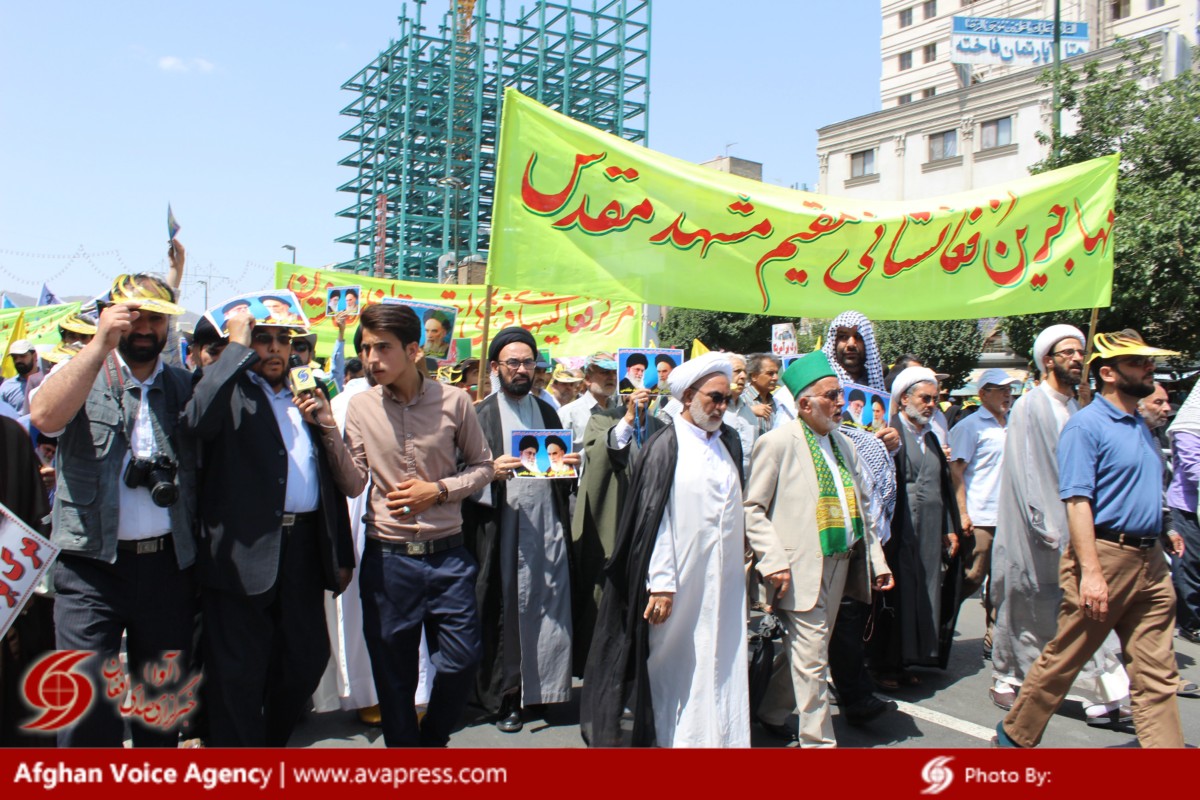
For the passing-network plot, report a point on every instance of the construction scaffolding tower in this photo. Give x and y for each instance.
(427, 114)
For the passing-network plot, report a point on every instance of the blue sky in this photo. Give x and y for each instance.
(230, 111)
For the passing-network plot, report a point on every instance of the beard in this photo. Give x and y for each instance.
(519, 386)
(916, 416)
(1136, 389)
(1064, 376)
(701, 418)
(23, 368)
(140, 348)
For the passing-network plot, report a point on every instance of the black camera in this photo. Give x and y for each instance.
(157, 475)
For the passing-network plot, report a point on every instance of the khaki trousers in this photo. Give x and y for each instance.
(979, 567)
(806, 636)
(1141, 609)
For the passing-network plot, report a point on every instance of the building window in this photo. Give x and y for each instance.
(930, 53)
(862, 163)
(904, 99)
(995, 133)
(1153, 4)
(1120, 9)
(943, 145)
(906, 17)
(930, 8)
(928, 93)
(906, 60)
(966, 3)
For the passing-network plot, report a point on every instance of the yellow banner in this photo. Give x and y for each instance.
(580, 210)
(565, 324)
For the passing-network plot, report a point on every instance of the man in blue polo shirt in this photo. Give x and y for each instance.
(1114, 576)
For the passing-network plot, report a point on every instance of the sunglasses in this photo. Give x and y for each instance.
(719, 399)
(832, 395)
(265, 338)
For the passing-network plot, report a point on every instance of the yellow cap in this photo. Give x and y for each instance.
(152, 294)
(1125, 343)
(77, 323)
(449, 374)
(62, 352)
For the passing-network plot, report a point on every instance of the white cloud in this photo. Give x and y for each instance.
(177, 64)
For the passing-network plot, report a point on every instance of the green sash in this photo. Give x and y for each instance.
(830, 524)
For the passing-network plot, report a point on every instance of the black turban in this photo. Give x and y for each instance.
(506, 337)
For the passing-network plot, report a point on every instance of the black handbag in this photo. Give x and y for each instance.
(762, 658)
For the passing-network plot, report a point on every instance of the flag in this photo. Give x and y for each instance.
(7, 368)
(698, 349)
(5, 302)
(580, 210)
(172, 223)
(48, 298)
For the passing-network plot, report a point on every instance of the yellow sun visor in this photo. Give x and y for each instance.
(1111, 345)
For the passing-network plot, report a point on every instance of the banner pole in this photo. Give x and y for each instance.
(485, 368)
(1085, 389)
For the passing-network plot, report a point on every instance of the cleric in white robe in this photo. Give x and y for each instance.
(669, 650)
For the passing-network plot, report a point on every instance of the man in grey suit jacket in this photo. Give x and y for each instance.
(808, 522)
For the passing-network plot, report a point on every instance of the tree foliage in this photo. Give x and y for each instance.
(725, 330)
(949, 346)
(1155, 126)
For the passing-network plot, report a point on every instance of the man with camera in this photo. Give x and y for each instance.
(274, 534)
(123, 507)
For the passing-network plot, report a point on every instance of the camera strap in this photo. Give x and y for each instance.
(116, 385)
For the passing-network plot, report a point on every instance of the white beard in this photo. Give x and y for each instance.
(701, 419)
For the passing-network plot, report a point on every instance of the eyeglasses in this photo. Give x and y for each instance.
(516, 364)
(832, 395)
(1072, 353)
(1140, 362)
(925, 398)
(720, 399)
(265, 338)
(300, 345)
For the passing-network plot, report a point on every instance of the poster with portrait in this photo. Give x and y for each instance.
(346, 299)
(783, 339)
(274, 307)
(787, 362)
(646, 368)
(437, 326)
(864, 407)
(542, 452)
(27, 557)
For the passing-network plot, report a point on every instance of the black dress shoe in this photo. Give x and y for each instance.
(509, 719)
(867, 709)
(782, 732)
(1113, 719)
(1190, 635)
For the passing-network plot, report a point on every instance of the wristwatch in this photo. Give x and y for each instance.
(443, 493)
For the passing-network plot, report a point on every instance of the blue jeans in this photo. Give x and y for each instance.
(401, 595)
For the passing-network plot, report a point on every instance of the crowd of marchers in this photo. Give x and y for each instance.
(372, 543)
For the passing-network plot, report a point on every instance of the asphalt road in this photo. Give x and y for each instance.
(949, 709)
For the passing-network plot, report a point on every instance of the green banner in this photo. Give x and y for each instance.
(41, 322)
(565, 324)
(580, 210)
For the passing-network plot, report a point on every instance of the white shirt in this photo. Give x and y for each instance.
(912, 428)
(575, 415)
(303, 492)
(1063, 405)
(979, 441)
(137, 515)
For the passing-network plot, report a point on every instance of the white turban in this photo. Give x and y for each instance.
(1048, 338)
(908, 378)
(689, 373)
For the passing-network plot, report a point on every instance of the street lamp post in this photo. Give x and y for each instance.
(457, 184)
(205, 285)
(293, 249)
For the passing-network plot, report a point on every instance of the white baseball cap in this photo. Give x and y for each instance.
(995, 377)
(20, 347)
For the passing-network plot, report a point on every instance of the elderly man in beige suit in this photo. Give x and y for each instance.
(809, 524)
